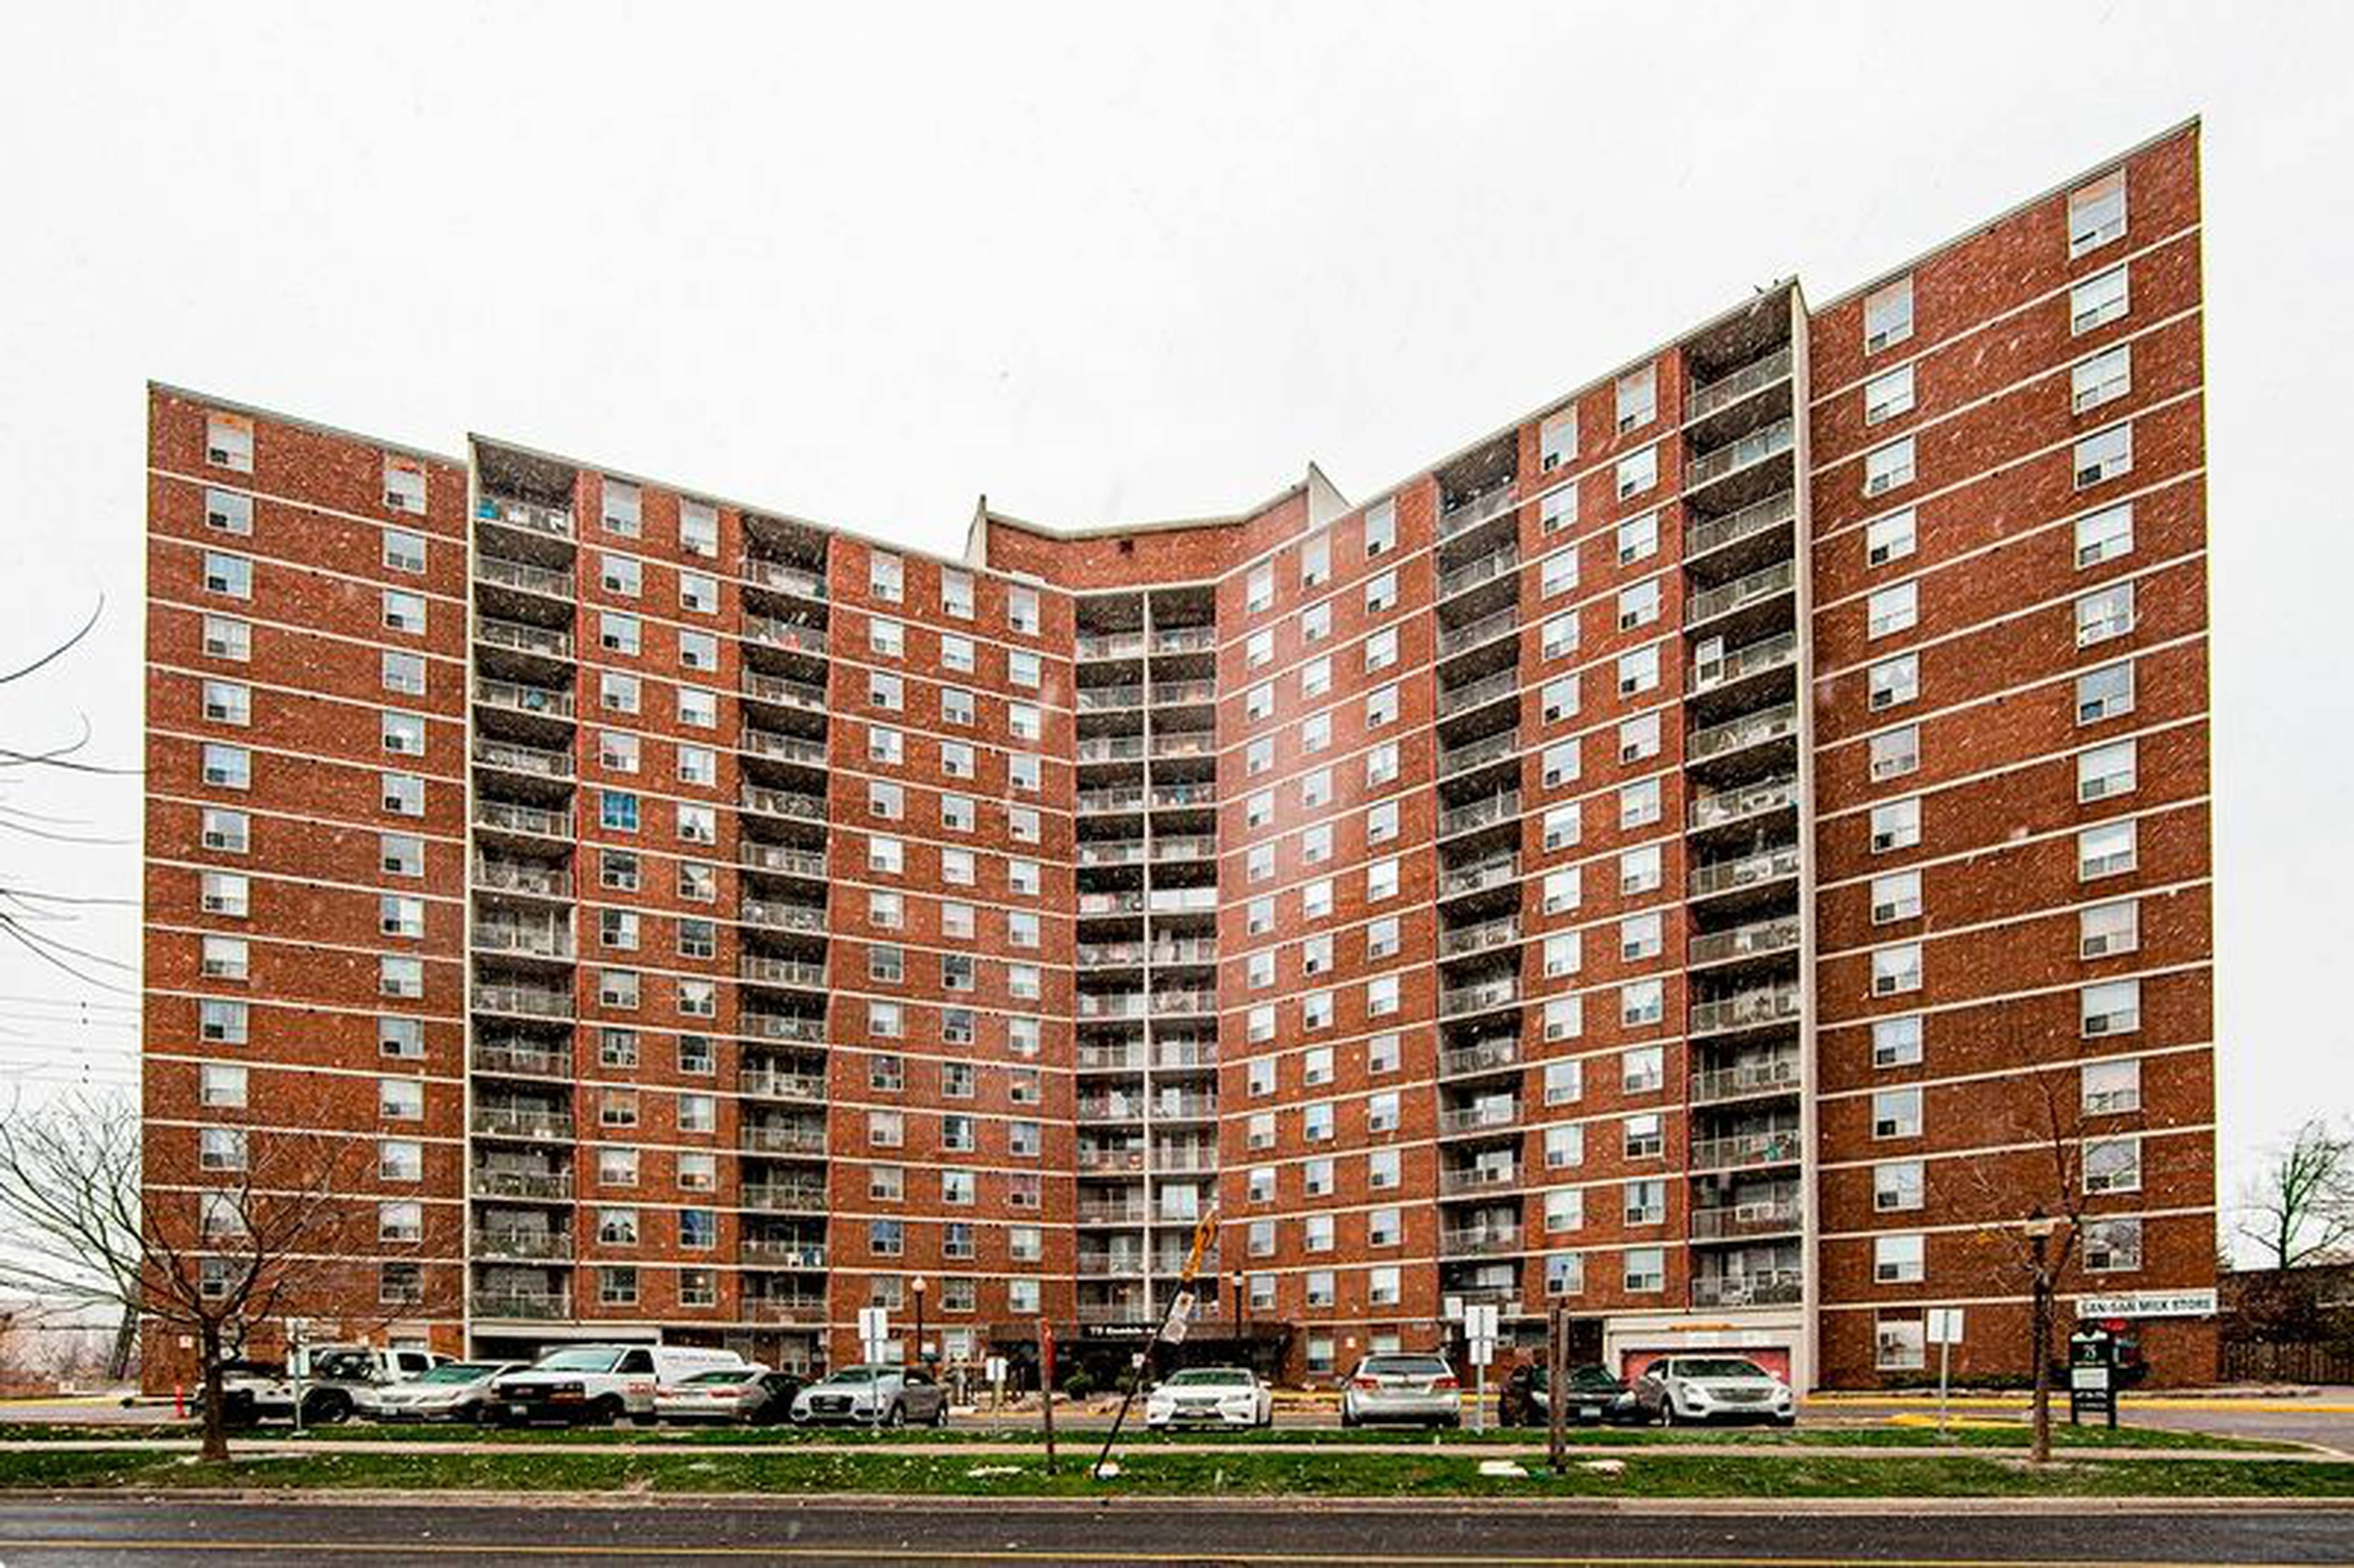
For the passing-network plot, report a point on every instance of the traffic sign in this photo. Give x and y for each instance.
(1944, 1326)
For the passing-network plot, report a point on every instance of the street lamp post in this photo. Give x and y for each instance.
(917, 1285)
(1242, 1320)
(2040, 1227)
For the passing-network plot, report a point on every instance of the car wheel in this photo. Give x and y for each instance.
(604, 1413)
(1453, 1423)
(327, 1410)
(1668, 1416)
(897, 1416)
(1348, 1417)
(940, 1415)
(1790, 1420)
(648, 1419)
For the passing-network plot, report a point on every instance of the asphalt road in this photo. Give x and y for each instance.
(107, 1533)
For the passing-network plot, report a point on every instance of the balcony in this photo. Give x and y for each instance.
(1746, 1009)
(1470, 511)
(529, 516)
(768, 1083)
(1770, 1076)
(523, 637)
(1765, 583)
(515, 696)
(1757, 517)
(539, 761)
(1183, 1004)
(805, 1311)
(1453, 640)
(1114, 1211)
(769, 631)
(1111, 1004)
(754, 855)
(777, 1252)
(805, 696)
(1482, 569)
(1770, 653)
(534, 1306)
(1101, 699)
(509, 817)
(1098, 1158)
(791, 1027)
(1482, 1056)
(1123, 798)
(782, 802)
(1480, 998)
(781, 972)
(779, 747)
(1181, 1055)
(1111, 852)
(523, 877)
(1479, 1119)
(1111, 1108)
(1739, 735)
(783, 1197)
(524, 1057)
(1184, 639)
(1754, 447)
(1756, 939)
(1183, 693)
(1111, 1265)
(1731, 1221)
(1478, 877)
(1128, 902)
(1184, 847)
(544, 1185)
(1177, 1104)
(779, 577)
(1185, 1159)
(523, 1243)
(542, 941)
(780, 1137)
(1478, 754)
(1112, 1311)
(1477, 1178)
(775, 915)
(523, 1121)
(524, 576)
(1716, 806)
(1714, 397)
(530, 1000)
(1170, 950)
(1185, 743)
(1487, 689)
(1481, 813)
(1478, 1241)
(1110, 1058)
(1772, 1287)
(1500, 932)
(1110, 748)
(1776, 864)
(1110, 644)
(1779, 1147)
(1186, 793)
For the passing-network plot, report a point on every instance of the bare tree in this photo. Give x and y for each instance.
(2302, 1203)
(2042, 1250)
(263, 1222)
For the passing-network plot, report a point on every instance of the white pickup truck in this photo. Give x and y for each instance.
(336, 1381)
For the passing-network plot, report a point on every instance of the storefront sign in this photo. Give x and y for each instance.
(2149, 1304)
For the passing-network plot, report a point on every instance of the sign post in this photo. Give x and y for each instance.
(1556, 1385)
(1046, 1386)
(1944, 1331)
(1479, 1320)
(874, 1334)
(1172, 1328)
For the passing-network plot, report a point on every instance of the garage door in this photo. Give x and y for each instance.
(1775, 1359)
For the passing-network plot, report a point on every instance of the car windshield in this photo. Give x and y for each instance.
(852, 1374)
(1403, 1366)
(724, 1375)
(343, 1365)
(460, 1372)
(578, 1361)
(1197, 1377)
(1719, 1367)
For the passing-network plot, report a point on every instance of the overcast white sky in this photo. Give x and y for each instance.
(865, 261)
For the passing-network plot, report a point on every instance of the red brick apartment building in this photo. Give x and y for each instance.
(1721, 853)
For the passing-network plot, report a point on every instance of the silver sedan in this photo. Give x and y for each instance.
(1405, 1389)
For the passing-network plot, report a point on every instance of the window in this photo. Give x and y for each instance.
(1557, 509)
(1896, 752)
(404, 551)
(2096, 214)
(1565, 1146)
(222, 1023)
(1565, 952)
(403, 673)
(1894, 681)
(1896, 970)
(1890, 538)
(1885, 468)
(228, 639)
(220, 1149)
(1559, 699)
(401, 1099)
(1639, 870)
(1887, 396)
(223, 957)
(2104, 455)
(228, 767)
(1557, 573)
(957, 654)
(227, 831)
(2097, 301)
(2111, 1008)
(1637, 472)
(1645, 1269)
(2105, 693)
(1564, 1018)
(1381, 593)
(884, 637)
(2105, 770)
(1258, 589)
(1896, 1041)
(2105, 613)
(1380, 527)
(233, 575)
(2110, 1089)
(1315, 561)
(956, 593)
(1559, 765)
(885, 576)
(1895, 825)
(400, 1037)
(1381, 1055)
(1896, 1186)
(1896, 1113)
(1381, 882)
(2103, 379)
(404, 734)
(1888, 315)
(2113, 1165)
(1562, 827)
(1021, 609)
(228, 702)
(698, 528)
(2112, 1246)
(400, 916)
(1381, 651)
(1258, 650)
(228, 441)
(1897, 1259)
(1639, 397)
(1639, 671)
(224, 893)
(1638, 604)
(398, 1159)
(2106, 930)
(1896, 896)
(1638, 804)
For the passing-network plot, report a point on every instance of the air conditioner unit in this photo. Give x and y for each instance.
(1876, 342)
(2099, 1024)
(218, 455)
(1879, 556)
(1887, 985)
(1882, 842)
(1878, 483)
(1888, 1273)
(1884, 913)
(1887, 1201)
(2085, 476)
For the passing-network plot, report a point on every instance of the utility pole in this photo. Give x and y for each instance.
(1556, 1384)
(1046, 1386)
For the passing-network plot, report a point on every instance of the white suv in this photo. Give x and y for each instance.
(1678, 1389)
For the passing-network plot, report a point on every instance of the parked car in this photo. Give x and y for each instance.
(1675, 1389)
(1595, 1396)
(600, 1384)
(751, 1393)
(1220, 1396)
(1402, 1388)
(454, 1391)
(866, 1396)
(334, 1379)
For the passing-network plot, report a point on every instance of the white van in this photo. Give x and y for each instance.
(599, 1384)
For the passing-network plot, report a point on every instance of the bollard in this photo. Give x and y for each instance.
(179, 1401)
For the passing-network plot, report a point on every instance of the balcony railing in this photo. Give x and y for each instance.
(514, 936)
(1479, 1117)
(1455, 638)
(1174, 1105)
(1479, 752)
(779, 916)
(1478, 998)
(1184, 743)
(1487, 689)
(794, 1027)
(784, 747)
(537, 1306)
(1484, 568)
(522, 1242)
(1186, 792)
(1179, 1003)
(522, 1056)
(1759, 1217)
(1184, 1159)
(518, 697)
(1760, 584)
(1184, 639)
(524, 576)
(777, 1252)
(1775, 1148)
(782, 802)
(522, 1121)
(1110, 1058)
(1480, 1056)
(523, 637)
(553, 521)
(1114, 1213)
(533, 759)
(520, 819)
(532, 1001)
(1099, 699)
(1125, 902)
(1470, 511)
(1479, 813)
(1111, 852)
(1097, 1158)
(1771, 1076)
(809, 1311)
(780, 858)
(1479, 1179)
(1748, 871)
(1478, 1241)
(1110, 644)
(1111, 1004)
(1707, 397)
(1778, 1288)
(1493, 872)
(1111, 1108)
(806, 695)
(1183, 693)
(1110, 748)
(768, 1083)
(491, 1182)
(783, 1197)
(767, 970)
(784, 579)
(780, 1137)
(1748, 730)
(1770, 653)
(1754, 447)
(1757, 517)
(1754, 939)
(1184, 847)
(524, 877)
(1112, 1311)
(1746, 1009)
(1181, 1054)
(1120, 798)
(1503, 931)
(1170, 950)
(1709, 808)
(769, 631)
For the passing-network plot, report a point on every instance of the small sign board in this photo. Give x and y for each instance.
(1945, 1325)
(994, 1368)
(2149, 1304)
(1479, 1320)
(1480, 1352)
(2090, 1380)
